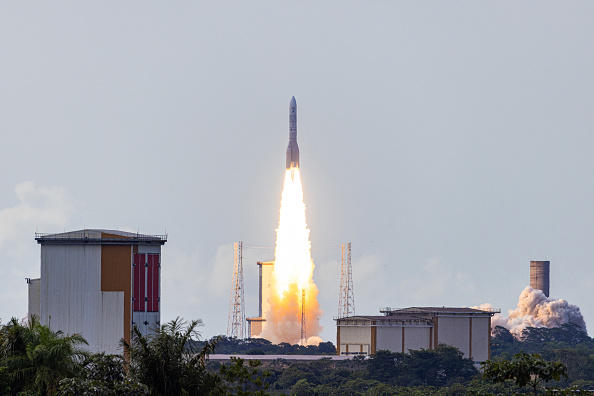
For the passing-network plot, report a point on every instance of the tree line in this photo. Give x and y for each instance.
(35, 360)
(261, 346)
(566, 344)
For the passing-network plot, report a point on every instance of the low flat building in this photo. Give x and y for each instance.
(402, 330)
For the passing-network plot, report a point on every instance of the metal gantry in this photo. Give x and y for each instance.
(346, 299)
(303, 332)
(236, 326)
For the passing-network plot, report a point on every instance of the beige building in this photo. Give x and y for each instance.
(401, 330)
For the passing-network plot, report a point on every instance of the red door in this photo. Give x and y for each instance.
(139, 282)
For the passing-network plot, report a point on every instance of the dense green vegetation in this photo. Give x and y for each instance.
(566, 344)
(525, 370)
(260, 346)
(34, 360)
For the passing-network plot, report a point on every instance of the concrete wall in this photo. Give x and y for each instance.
(469, 334)
(403, 339)
(481, 337)
(389, 338)
(454, 331)
(265, 289)
(355, 339)
(416, 338)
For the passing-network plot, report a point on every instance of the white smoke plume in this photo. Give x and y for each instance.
(537, 310)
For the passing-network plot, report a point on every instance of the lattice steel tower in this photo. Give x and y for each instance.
(236, 326)
(303, 332)
(346, 299)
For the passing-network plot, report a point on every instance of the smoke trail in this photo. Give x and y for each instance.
(293, 272)
(537, 310)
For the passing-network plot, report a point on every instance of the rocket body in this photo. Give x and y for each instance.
(293, 148)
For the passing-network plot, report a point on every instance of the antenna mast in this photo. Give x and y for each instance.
(236, 323)
(346, 298)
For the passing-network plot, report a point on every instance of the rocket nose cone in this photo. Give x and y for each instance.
(293, 102)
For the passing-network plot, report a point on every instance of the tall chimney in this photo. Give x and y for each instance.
(539, 276)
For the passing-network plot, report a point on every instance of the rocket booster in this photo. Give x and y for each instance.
(293, 148)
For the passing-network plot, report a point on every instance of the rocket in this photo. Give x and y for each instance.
(293, 148)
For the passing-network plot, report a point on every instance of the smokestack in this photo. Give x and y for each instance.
(539, 276)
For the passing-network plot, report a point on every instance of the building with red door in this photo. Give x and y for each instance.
(98, 283)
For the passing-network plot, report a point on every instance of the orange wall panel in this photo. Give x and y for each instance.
(116, 275)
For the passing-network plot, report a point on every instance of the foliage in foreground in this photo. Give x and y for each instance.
(525, 370)
(34, 358)
(170, 361)
(167, 364)
(102, 375)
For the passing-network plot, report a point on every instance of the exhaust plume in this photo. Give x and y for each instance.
(537, 310)
(293, 273)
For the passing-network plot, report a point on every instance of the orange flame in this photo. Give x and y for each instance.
(293, 272)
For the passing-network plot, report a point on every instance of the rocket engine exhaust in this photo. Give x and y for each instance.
(292, 280)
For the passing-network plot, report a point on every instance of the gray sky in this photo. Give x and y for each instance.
(450, 142)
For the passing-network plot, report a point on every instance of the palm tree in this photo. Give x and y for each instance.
(167, 362)
(37, 357)
(14, 337)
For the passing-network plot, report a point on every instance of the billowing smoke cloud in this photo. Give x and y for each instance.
(283, 321)
(537, 310)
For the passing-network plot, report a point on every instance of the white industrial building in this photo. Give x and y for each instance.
(401, 330)
(99, 284)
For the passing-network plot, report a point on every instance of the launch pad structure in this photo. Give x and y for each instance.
(241, 327)
(303, 329)
(346, 298)
(236, 323)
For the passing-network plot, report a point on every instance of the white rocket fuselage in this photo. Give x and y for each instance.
(293, 148)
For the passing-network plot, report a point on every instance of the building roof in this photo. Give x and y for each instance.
(386, 320)
(439, 311)
(380, 317)
(99, 236)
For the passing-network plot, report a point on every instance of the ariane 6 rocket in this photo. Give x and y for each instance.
(293, 148)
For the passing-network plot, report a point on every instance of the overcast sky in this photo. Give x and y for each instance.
(450, 142)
